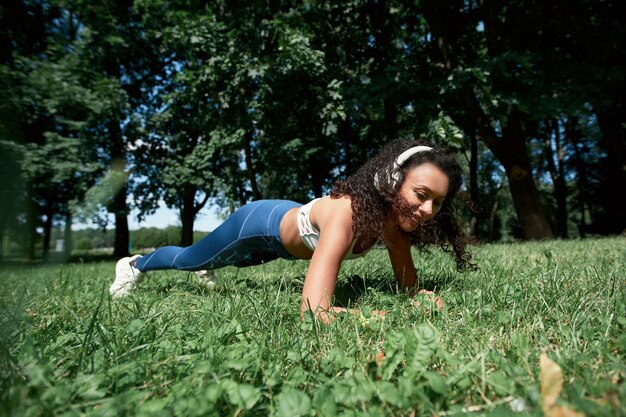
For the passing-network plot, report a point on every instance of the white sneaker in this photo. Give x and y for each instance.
(207, 278)
(126, 276)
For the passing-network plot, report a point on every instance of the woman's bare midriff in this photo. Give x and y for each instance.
(290, 235)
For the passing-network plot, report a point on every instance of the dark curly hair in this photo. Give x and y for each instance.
(372, 200)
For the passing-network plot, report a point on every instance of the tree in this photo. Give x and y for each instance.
(119, 43)
(223, 102)
(181, 157)
(466, 54)
(18, 125)
(63, 166)
(555, 159)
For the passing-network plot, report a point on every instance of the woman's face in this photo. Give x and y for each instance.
(424, 189)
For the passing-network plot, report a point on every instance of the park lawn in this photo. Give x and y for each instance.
(176, 348)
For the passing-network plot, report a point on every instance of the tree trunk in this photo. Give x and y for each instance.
(514, 158)
(119, 207)
(527, 205)
(187, 215)
(118, 163)
(47, 232)
(573, 134)
(67, 235)
(561, 186)
(512, 152)
(122, 239)
(614, 134)
(556, 173)
(612, 124)
(510, 149)
(120, 210)
(31, 226)
(493, 212)
(256, 194)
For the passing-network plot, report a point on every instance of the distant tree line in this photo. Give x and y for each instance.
(110, 105)
(144, 238)
(95, 239)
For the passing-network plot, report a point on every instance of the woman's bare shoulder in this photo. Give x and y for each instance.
(335, 210)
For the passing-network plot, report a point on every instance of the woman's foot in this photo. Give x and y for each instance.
(126, 276)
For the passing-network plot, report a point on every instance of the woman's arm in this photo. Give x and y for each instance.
(334, 220)
(399, 249)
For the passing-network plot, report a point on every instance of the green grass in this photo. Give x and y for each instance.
(174, 348)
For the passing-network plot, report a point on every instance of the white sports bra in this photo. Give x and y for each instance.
(310, 235)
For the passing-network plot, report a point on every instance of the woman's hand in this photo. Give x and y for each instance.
(432, 298)
(334, 221)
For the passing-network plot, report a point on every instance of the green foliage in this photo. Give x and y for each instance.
(191, 104)
(58, 106)
(144, 238)
(443, 130)
(175, 349)
(83, 244)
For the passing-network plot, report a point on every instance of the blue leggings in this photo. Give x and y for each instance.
(250, 236)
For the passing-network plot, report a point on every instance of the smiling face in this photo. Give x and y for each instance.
(424, 190)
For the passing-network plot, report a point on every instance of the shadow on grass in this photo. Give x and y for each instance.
(349, 290)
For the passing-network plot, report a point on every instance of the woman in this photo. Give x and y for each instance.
(400, 197)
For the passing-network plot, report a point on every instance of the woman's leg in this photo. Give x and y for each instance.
(247, 237)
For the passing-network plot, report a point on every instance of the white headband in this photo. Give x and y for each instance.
(395, 175)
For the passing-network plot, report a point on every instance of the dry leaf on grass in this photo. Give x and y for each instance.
(380, 356)
(551, 386)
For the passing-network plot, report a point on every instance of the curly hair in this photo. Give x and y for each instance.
(374, 194)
